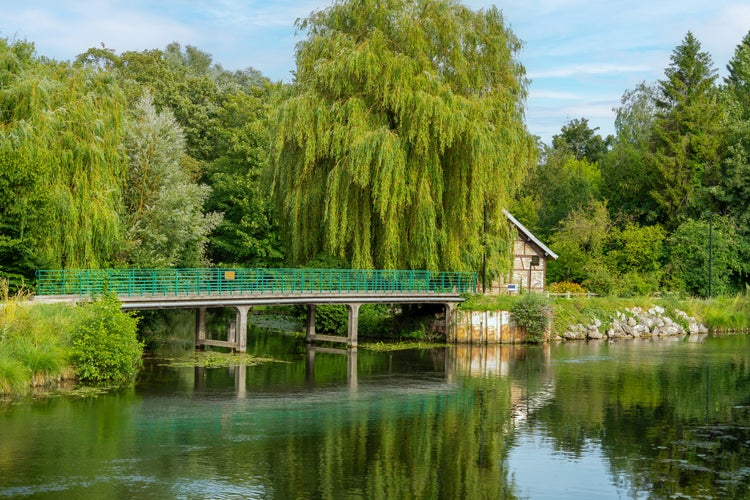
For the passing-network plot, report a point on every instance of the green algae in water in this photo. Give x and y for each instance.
(217, 360)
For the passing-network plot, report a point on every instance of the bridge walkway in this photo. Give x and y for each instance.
(243, 288)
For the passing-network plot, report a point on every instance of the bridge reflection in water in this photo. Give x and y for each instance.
(452, 363)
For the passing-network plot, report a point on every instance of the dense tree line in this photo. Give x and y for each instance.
(149, 159)
(397, 145)
(663, 204)
(398, 151)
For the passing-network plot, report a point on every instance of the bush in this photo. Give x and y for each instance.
(566, 287)
(532, 313)
(106, 349)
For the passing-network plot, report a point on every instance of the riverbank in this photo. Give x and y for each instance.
(582, 317)
(43, 346)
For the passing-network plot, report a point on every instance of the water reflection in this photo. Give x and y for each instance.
(351, 364)
(647, 419)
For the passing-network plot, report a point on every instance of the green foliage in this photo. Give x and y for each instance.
(560, 185)
(627, 179)
(106, 349)
(166, 223)
(14, 376)
(636, 248)
(688, 265)
(404, 124)
(375, 320)
(532, 313)
(249, 233)
(61, 167)
(331, 319)
(725, 313)
(34, 344)
(686, 139)
(579, 243)
(581, 141)
(738, 78)
(480, 302)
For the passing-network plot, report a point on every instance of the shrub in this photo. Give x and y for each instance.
(106, 349)
(566, 287)
(331, 318)
(532, 313)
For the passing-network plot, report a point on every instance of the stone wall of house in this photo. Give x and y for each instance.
(523, 272)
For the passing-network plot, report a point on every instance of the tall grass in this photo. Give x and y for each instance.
(34, 343)
(722, 314)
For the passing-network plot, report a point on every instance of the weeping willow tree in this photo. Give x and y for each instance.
(62, 127)
(403, 135)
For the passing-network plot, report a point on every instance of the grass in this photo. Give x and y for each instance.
(34, 343)
(718, 314)
(723, 313)
(14, 376)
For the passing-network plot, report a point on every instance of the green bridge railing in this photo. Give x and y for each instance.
(207, 281)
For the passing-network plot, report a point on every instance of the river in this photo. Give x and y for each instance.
(630, 419)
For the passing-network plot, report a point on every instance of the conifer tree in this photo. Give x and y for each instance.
(402, 133)
(737, 81)
(687, 134)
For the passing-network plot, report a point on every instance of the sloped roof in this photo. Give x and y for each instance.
(529, 236)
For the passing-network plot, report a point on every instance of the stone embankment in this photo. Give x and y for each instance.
(635, 323)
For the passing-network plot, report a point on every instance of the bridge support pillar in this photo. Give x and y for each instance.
(351, 338)
(310, 323)
(449, 332)
(200, 326)
(240, 339)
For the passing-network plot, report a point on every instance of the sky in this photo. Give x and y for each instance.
(580, 55)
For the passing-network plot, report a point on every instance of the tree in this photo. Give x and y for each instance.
(687, 134)
(734, 193)
(61, 132)
(627, 176)
(223, 117)
(248, 233)
(404, 126)
(560, 185)
(581, 141)
(580, 243)
(737, 81)
(691, 251)
(166, 224)
(634, 257)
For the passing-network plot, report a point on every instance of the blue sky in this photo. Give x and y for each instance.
(581, 55)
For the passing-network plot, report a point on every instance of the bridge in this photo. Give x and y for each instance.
(243, 288)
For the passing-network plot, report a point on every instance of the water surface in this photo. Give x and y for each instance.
(631, 419)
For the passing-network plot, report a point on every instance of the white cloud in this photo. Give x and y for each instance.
(64, 33)
(721, 34)
(587, 69)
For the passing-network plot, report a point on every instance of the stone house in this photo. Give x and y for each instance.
(529, 261)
